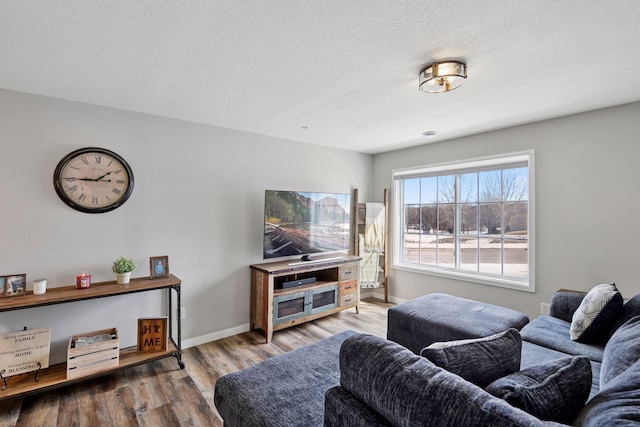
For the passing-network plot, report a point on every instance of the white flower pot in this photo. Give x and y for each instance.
(123, 278)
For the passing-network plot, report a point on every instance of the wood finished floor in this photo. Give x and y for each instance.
(160, 394)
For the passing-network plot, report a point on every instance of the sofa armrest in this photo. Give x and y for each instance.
(564, 303)
(409, 390)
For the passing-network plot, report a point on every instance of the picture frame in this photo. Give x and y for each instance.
(159, 266)
(13, 285)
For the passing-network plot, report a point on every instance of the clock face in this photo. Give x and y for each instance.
(93, 180)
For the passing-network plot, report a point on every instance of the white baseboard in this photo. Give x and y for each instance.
(203, 339)
(379, 294)
(395, 300)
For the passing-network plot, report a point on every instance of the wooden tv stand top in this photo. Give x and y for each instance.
(299, 266)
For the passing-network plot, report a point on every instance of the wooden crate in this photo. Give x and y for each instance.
(95, 357)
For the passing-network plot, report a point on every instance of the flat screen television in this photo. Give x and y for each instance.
(298, 223)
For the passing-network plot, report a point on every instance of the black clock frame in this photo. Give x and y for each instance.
(58, 182)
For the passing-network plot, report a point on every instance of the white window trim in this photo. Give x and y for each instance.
(478, 163)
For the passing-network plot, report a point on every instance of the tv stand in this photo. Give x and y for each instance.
(274, 307)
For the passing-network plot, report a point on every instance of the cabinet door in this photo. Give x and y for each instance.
(324, 298)
(289, 307)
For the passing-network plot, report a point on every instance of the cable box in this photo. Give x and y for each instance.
(300, 282)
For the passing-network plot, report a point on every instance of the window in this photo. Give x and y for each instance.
(470, 220)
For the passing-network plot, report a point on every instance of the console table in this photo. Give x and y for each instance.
(287, 293)
(56, 375)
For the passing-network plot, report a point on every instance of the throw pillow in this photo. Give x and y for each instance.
(596, 315)
(481, 360)
(554, 391)
(630, 309)
(622, 351)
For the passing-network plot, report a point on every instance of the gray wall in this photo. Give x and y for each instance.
(587, 203)
(198, 198)
(199, 195)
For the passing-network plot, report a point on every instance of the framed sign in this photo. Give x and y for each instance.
(159, 266)
(22, 351)
(152, 334)
(13, 285)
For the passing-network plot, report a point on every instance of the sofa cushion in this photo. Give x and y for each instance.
(553, 391)
(630, 309)
(478, 360)
(596, 314)
(409, 390)
(617, 403)
(551, 332)
(533, 354)
(622, 350)
(342, 408)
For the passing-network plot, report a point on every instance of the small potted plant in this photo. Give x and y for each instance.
(123, 268)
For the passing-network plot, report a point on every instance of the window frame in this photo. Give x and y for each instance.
(502, 161)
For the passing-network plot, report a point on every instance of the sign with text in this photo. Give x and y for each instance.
(21, 351)
(152, 334)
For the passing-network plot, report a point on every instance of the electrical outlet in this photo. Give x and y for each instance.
(183, 313)
(545, 308)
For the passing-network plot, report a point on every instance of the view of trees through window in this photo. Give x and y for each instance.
(472, 222)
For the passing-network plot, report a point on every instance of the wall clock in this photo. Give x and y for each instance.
(93, 180)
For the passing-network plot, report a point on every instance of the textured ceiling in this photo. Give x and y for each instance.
(340, 73)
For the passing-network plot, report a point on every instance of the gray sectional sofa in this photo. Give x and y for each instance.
(372, 381)
(411, 391)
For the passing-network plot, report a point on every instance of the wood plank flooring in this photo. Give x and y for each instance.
(160, 394)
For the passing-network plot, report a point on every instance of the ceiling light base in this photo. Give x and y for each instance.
(443, 77)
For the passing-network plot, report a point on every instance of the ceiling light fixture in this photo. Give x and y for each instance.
(443, 76)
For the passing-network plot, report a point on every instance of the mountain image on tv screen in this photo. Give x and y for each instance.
(301, 223)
